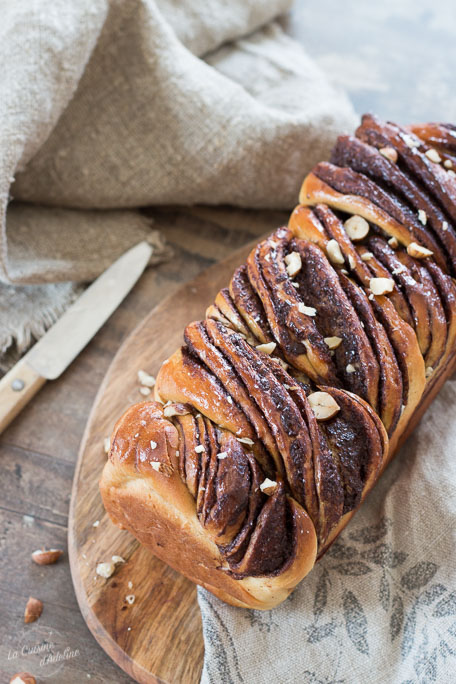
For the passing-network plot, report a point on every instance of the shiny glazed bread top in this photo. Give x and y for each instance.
(289, 398)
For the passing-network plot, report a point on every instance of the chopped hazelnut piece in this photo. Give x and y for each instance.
(267, 348)
(410, 141)
(445, 225)
(106, 445)
(448, 163)
(145, 391)
(106, 569)
(429, 371)
(175, 410)
(366, 256)
(130, 599)
(393, 242)
(46, 556)
(199, 449)
(350, 368)
(381, 286)
(389, 152)
(433, 155)
(422, 216)
(153, 445)
(33, 610)
(146, 379)
(117, 559)
(451, 173)
(245, 440)
(222, 455)
(308, 310)
(294, 263)
(332, 342)
(323, 405)
(418, 251)
(356, 227)
(352, 262)
(268, 486)
(334, 253)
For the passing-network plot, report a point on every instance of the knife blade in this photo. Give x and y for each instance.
(54, 352)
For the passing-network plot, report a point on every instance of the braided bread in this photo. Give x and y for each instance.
(280, 411)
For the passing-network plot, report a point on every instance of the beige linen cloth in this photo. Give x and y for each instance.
(110, 105)
(380, 607)
(106, 106)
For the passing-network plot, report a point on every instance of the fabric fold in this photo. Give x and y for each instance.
(119, 105)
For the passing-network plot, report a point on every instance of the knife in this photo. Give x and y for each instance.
(54, 352)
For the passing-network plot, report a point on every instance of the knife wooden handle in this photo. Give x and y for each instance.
(17, 387)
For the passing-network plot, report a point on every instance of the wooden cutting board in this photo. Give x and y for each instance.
(158, 638)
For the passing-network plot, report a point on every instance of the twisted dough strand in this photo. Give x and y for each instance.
(367, 318)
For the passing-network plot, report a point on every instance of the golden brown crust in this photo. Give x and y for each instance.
(158, 508)
(233, 479)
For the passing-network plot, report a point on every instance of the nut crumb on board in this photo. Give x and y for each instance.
(146, 379)
(106, 569)
(22, 678)
(33, 610)
(46, 556)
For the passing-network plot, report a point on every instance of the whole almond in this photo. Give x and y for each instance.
(22, 678)
(33, 610)
(46, 556)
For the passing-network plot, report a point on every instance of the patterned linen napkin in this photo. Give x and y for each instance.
(381, 604)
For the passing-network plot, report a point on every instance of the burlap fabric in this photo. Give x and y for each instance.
(106, 106)
(110, 105)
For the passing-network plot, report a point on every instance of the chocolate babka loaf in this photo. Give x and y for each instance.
(281, 409)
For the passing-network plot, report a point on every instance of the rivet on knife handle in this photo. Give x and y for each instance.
(17, 388)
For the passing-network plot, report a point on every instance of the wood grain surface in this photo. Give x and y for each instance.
(38, 453)
(157, 638)
(394, 58)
